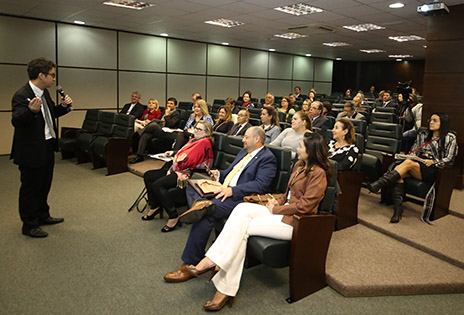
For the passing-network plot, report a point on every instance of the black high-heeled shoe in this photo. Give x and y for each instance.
(152, 216)
(166, 228)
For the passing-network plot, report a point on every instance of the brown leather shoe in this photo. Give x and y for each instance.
(179, 275)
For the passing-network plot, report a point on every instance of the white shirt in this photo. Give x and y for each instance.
(131, 108)
(234, 180)
(38, 93)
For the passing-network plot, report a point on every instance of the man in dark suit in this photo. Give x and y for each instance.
(242, 124)
(387, 100)
(252, 171)
(35, 143)
(349, 111)
(298, 94)
(134, 107)
(170, 119)
(319, 121)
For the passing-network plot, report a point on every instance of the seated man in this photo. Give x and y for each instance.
(298, 94)
(387, 100)
(170, 119)
(349, 111)
(230, 102)
(269, 100)
(134, 107)
(242, 124)
(315, 112)
(252, 171)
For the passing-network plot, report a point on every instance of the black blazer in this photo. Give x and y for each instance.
(137, 111)
(223, 127)
(321, 122)
(242, 131)
(172, 120)
(29, 147)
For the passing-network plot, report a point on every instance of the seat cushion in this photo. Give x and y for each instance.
(416, 187)
(271, 252)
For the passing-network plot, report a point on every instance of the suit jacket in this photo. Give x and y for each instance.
(356, 116)
(137, 111)
(321, 122)
(307, 191)
(172, 120)
(390, 103)
(233, 130)
(257, 175)
(29, 146)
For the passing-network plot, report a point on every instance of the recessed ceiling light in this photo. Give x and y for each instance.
(424, 46)
(79, 22)
(336, 44)
(372, 51)
(363, 27)
(399, 59)
(396, 5)
(224, 22)
(271, 49)
(400, 56)
(299, 9)
(129, 4)
(291, 35)
(406, 38)
(308, 55)
(164, 34)
(225, 44)
(338, 59)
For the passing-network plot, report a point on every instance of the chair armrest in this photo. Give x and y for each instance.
(69, 132)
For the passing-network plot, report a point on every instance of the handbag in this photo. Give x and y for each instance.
(263, 199)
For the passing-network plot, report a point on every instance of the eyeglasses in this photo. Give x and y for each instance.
(53, 75)
(198, 129)
(242, 115)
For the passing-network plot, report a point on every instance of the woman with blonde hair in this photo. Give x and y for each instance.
(152, 112)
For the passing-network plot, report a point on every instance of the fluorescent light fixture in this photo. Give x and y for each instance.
(400, 56)
(291, 35)
(224, 22)
(164, 34)
(399, 59)
(79, 22)
(397, 5)
(406, 38)
(372, 51)
(225, 44)
(364, 27)
(271, 49)
(299, 9)
(338, 59)
(129, 4)
(308, 55)
(336, 44)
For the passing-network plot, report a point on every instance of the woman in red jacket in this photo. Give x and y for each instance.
(152, 112)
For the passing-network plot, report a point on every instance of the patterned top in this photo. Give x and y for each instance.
(346, 156)
(191, 121)
(431, 150)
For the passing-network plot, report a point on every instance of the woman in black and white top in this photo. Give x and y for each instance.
(342, 148)
(270, 121)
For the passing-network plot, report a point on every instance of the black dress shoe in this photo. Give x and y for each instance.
(35, 232)
(50, 221)
(138, 159)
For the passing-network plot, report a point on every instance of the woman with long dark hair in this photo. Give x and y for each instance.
(270, 121)
(342, 148)
(224, 121)
(436, 147)
(305, 191)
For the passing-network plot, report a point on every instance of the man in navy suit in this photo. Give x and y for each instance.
(256, 168)
(35, 143)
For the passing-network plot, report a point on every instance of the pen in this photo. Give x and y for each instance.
(271, 196)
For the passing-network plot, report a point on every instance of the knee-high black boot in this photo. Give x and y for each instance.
(397, 196)
(389, 178)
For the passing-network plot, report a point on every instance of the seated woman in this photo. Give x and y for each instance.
(291, 137)
(305, 191)
(200, 112)
(311, 97)
(305, 106)
(196, 154)
(270, 122)
(286, 107)
(436, 146)
(224, 122)
(247, 100)
(152, 112)
(342, 148)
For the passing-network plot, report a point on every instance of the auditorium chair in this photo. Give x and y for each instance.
(383, 117)
(113, 150)
(219, 102)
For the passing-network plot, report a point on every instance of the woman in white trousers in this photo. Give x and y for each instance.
(305, 190)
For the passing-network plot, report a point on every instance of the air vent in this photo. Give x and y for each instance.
(312, 29)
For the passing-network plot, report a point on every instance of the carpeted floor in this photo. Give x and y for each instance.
(104, 260)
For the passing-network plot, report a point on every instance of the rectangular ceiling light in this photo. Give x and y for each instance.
(406, 38)
(336, 44)
(129, 4)
(299, 9)
(372, 51)
(291, 35)
(400, 56)
(364, 27)
(224, 22)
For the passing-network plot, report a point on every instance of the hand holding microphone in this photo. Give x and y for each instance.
(66, 100)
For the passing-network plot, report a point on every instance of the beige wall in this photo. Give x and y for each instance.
(100, 68)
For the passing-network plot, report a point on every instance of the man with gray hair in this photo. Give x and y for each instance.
(315, 112)
(252, 171)
(269, 100)
(349, 111)
(134, 107)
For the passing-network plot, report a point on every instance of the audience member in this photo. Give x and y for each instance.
(291, 137)
(242, 124)
(230, 102)
(305, 107)
(402, 105)
(349, 111)
(152, 112)
(252, 171)
(224, 121)
(437, 148)
(247, 100)
(379, 100)
(196, 96)
(372, 92)
(196, 154)
(342, 148)
(292, 99)
(312, 97)
(387, 100)
(412, 121)
(270, 121)
(269, 100)
(347, 95)
(307, 185)
(317, 119)
(327, 110)
(286, 107)
(134, 107)
(298, 94)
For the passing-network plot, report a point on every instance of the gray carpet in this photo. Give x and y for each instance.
(104, 260)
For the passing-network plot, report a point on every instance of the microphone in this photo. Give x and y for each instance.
(60, 90)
